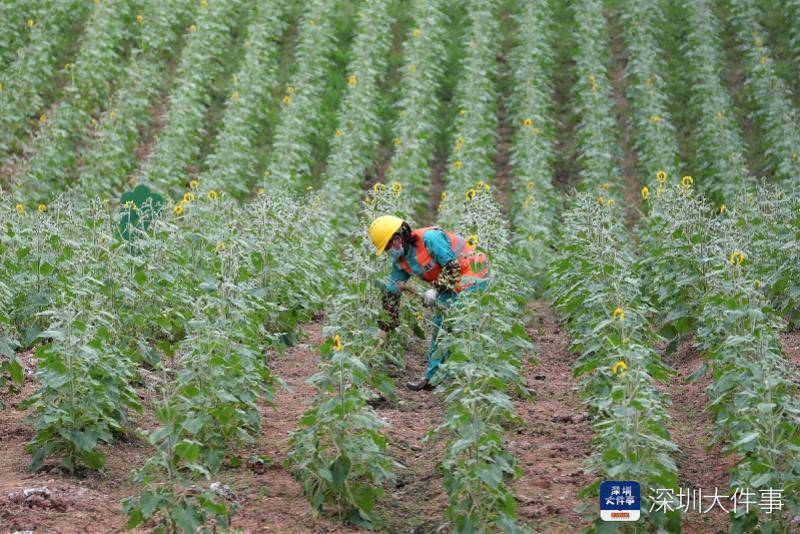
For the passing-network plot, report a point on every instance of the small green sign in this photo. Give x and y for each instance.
(138, 208)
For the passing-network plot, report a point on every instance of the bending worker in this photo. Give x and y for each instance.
(438, 257)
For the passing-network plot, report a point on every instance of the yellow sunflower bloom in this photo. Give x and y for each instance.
(470, 194)
(661, 176)
(42, 117)
(212, 195)
(645, 193)
(618, 313)
(352, 80)
(337, 343)
(20, 209)
(457, 164)
(139, 19)
(41, 208)
(178, 209)
(527, 123)
(722, 209)
(417, 32)
(472, 240)
(737, 257)
(620, 367)
(397, 188)
(30, 23)
(193, 184)
(687, 181)
(188, 197)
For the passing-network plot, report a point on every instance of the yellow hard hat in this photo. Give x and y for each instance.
(382, 229)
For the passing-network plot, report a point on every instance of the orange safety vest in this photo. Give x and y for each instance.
(465, 255)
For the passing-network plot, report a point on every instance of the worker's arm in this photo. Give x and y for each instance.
(438, 245)
(390, 300)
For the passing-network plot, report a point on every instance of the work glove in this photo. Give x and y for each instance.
(429, 297)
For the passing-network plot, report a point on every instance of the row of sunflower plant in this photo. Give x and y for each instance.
(109, 157)
(485, 342)
(475, 125)
(597, 128)
(769, 96)
(52, 155)
(603, 308)
(11, 369)
(28, 83)
(794, 7)
(197, 353)
(694, 293)
(770, 217)
(14, 32)
(357, 136)
(339, 450)
(60, 307)
(719, 144)
(482, 335)
(215, 34)
(208, 395)
(534, 199)
(655, 142)
(416, 128)
(299, 122)
(234, 158)
(703, 271)
(608, 320)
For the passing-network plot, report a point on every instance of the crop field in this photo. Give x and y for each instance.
(190, 301)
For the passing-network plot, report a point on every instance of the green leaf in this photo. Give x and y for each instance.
(148, 502)
(746, 439)
(189, 451)
(134, 518)
(340, 469)
(186, 518)
(16, 371)
(94, 459)
(697, 374)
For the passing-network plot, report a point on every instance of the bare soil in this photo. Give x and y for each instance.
(619, 82)
(553, 444)
(503, 177)
(701, 465)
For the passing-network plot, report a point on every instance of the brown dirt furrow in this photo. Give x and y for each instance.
(790, 342)
(502, 166)
(270, 499)
(416, 504)
(619, 82)
(701, 465)
(438, 168)
(552, 445)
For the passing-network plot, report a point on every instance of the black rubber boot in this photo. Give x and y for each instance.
(417, 386)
